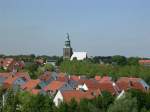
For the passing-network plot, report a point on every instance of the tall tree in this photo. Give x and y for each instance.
(127, 104)
(11, 102)
(40, 103)
(119, 60)
(73, 106)
(1, 99)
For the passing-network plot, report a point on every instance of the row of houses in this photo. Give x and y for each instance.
(9, 64)
(145, 62)
(62, 87)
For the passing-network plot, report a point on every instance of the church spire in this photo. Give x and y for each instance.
(67, 51)
(67, 36)
(68, 42)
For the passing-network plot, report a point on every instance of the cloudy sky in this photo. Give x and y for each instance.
(100, 27)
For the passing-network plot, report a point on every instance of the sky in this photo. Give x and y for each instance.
(99, 27)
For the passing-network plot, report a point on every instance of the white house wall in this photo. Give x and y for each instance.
(83, 87)
(58, 98)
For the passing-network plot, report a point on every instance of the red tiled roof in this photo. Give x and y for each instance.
(23, 74)
(75, 78)
(134, 79)
(103, 86)
(6, 62)
(91, 84)
(144, 61)
(15, 76)
(5, 75)
(95, 92)
(137, 85)
(62, 78)
(77, 95)
(10, 63)
(31, 84)
(109, 87)
(105, 78)
(125, 83)
(61, 74)
(54, 86)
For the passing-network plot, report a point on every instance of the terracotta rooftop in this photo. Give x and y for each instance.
(74, 78)
(6, 61)
(77, 95)
(62, 77)
(31, 84)
(5, 75)
(91, 84)
(61, 74)
(125, 83)
(109, 87)
(54, 86)
(105, 78)
(14, 76)
(144, 61)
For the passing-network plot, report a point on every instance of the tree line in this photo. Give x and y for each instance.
(90, 69)
(133, 101)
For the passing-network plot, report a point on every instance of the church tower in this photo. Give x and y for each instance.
(67, 50)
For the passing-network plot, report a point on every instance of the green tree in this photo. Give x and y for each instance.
(73, 106)
(1, 99)
(119, 60)
(144, 110)
(48, 67)
(143, 99)
(11, 102)
(87, 106)
(133, 61)
(63, 107)
(127, 104)
(40, 103)
(83, 106)
(99, 103)
(59, 61)
(25, 99)
(108, 99)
